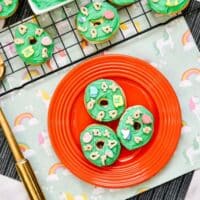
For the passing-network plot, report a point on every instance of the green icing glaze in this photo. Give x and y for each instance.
(97, 22)
(7, 8)
(33, 44)
(135, 128)
(100, 145)
(46, 3)
(104, 100)
(122, 2)
(167, 6)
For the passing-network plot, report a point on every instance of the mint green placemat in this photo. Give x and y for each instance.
(171, 50)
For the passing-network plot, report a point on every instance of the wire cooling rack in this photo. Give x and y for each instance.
(69, 47)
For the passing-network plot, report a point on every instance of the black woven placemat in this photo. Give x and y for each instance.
(173, 190)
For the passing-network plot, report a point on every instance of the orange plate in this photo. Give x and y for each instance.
(143, 85)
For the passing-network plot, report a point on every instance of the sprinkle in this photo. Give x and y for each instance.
(88, 147)
(93, 91)
(39, 31)
(129, 120)
(28, 52)
(113, 114)
(84, 11)
(136, 114)
(22, 29)
(87, 137)
(113, 87)
(82, 19)
(94, 155)
(90, 104)
(103, 159)
(44, 53)
(106, 133)
(109, 153)
(147, 130)
(112, 143)
(82, 29)
(126, 134)
(146, 119)
(8, 2)
(107, 29)
(104, 86)
(171, 3)
(100, 115)
(18, 41)
(138, 139)
(46, 41)
(93, 33)
(97, 5)
(96, 132)
(1, 8)
(118, 101)
(109, 14)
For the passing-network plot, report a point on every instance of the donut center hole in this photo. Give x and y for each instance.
(137, 126)
(103, 102)
(32, 40)
(100, 144)
(97, 22)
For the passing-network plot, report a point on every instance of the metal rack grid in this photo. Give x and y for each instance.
(135, 20)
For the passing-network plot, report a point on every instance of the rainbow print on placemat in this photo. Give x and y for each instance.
(25, 149)
(21, 119)
(186, 76)
(54, 170)
(187, 40)
(56, 167)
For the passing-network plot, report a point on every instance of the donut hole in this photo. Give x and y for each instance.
(103, 102)
(97, 22)
(100, 144)
(32, 40)
(137, 126)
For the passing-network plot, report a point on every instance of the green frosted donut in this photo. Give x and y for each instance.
(135, 128)
(33, 44)
(168, 6)
(104, 100)
(100, 145)
(97, 22)
(8, 8)
(122, 2)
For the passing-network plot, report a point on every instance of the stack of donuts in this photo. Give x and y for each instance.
(105, 101)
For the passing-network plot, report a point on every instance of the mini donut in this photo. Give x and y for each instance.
(168, 6)
(135, 127)
(100, 145)
(33, 44)
(97, 22)
(104, 100)
(8, 8)
(122, 2)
